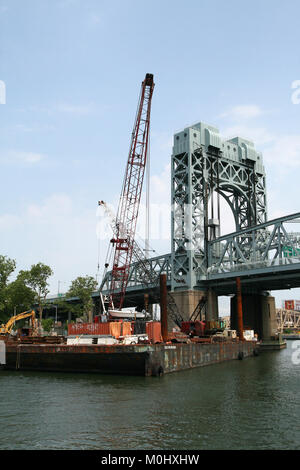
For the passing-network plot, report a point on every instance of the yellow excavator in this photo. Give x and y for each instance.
(6, 329)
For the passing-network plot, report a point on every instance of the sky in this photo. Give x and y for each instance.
(72, 71)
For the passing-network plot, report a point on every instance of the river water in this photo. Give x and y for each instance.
(249, 404)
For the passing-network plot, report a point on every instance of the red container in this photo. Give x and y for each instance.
(88, 329)
(289, 305)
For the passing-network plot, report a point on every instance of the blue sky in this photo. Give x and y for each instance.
(73, 70)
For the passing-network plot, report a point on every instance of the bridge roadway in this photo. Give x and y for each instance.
(266, 257)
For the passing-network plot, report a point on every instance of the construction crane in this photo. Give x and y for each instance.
(6, 329)
(128, 210)
(124, 223)
(146, 274)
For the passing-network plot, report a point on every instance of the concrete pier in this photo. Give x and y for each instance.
(259, 314)
(187, 301)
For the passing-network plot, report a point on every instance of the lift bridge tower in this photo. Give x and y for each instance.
(205, 167)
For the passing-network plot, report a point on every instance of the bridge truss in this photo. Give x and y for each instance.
(265, 254)
(203, 165)
(266, 246)
(287, 319)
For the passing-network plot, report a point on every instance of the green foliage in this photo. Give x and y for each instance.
(82, 287)
(7, 267)
(47, 324)
(18, 295)
(37, 280)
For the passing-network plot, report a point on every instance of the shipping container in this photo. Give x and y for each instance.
(88, 329)
(292, 305)
(153, 330)
(289, 304)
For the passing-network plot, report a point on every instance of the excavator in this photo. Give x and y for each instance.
(6, 329)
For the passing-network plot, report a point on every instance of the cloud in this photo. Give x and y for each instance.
(94, 19)
(161, 142)
(9, 221)
(55, 232)
(161, 185)
(3, 9)
(71, 109)
(54, 206)
(259, 135)
(67, 3)
(20, 157)
(75, 109)
(284, 151)
(33, 128)
(277, 149)
(243, 112)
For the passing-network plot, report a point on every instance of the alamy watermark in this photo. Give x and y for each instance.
(2, 92)
(296, 94)
(188, 221)
(296, 353)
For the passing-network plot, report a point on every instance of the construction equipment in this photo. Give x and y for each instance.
(130, 197)
(124, 223)
(198, 310)
(6, 329)
(146, 275)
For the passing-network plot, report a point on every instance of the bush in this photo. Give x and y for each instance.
(47, 324)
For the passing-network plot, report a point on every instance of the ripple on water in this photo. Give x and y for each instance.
(250, 404)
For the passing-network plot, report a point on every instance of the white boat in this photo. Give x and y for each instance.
(129, 313)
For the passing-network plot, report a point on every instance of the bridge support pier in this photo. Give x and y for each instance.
(188, 300)
(259, 314)
(212, 309)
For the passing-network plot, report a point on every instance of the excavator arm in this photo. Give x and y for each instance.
(6, 329)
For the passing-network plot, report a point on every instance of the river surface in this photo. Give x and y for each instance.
(249, 404)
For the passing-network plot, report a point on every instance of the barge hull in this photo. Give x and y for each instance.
(146, 360)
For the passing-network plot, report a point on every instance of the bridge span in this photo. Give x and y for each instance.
(202, 265)
(266, 257)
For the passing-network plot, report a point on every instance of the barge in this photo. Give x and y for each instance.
(140, 359)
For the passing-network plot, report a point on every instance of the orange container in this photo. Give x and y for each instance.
(126, 328)
(153, 330)
(115, 329)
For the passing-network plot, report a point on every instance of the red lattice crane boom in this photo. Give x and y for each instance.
(128, 210)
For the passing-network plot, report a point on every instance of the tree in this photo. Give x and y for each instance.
(47, 324)
(7, 267)
(18, 296)
(37, 279)
(83, 287)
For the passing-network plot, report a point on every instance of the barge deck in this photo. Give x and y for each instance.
(144, 360)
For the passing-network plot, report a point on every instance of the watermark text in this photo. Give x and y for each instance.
(296, 353)
(2, 92)
(296, 94)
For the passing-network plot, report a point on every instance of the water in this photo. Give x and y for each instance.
(249, 404)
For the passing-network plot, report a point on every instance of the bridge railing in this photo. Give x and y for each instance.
(259, 247)
(137, 278)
